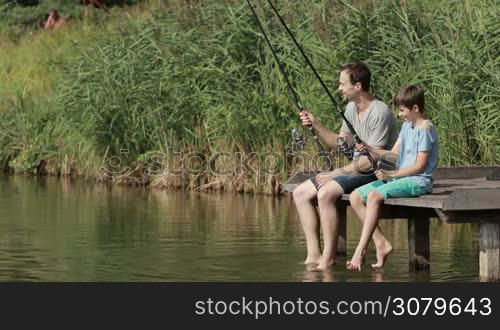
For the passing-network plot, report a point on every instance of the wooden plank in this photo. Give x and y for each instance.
(466, 172)
(449, 186)
(342, 242)
(418, 242)
(426, 201)
(297, 179)
(442, 173)
(489, 254)
(473, 199)
(469, 216)
(444, 183)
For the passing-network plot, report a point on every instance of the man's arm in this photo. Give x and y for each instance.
(328, 137)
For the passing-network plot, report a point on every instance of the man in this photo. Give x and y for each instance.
(375, 124)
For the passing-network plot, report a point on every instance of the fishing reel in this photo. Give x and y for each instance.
(343, 147)
(388, 163)
(298, 139)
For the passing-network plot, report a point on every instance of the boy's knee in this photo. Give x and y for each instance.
(375, 197)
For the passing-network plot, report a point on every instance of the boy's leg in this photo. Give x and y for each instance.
(375, 200)
(405, 187)
(303, 197)
(357, 200)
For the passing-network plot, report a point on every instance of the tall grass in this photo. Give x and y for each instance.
(198, 76)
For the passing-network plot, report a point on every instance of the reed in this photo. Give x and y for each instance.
(198, 77)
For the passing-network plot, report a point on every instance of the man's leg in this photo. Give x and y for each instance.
(303, 197)
(327, 198)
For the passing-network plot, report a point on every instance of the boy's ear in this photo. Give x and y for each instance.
(415, 108)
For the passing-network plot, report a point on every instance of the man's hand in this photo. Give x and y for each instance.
(325, 177)
(308, 119)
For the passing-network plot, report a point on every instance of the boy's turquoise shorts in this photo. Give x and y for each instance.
(404, 187)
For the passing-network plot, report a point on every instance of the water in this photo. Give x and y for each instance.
(62, 230)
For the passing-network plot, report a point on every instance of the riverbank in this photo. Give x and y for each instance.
(155, 88)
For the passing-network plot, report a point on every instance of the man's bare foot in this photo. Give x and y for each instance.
(357, 260)
(383, 252)
(325, 264)
(312, 260)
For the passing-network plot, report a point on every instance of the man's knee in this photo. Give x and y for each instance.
(329, 193)
(355, 198)
(304, 191)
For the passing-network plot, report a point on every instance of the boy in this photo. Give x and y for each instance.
(418, 149)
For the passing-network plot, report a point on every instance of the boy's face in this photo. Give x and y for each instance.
(408, 114)
(348, 90)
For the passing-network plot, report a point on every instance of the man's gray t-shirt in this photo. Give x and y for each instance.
(377, 128)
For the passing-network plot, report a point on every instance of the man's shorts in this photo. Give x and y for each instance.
(349, 182)
(404, 187)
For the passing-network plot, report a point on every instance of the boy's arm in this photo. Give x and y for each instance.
(425, 145)
(417, 168)
(378, 152)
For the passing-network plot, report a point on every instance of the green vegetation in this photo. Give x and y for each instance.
(198, 77)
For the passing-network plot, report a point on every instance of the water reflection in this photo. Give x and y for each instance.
(67, 230)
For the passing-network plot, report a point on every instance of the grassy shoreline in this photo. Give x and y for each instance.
(166, 78)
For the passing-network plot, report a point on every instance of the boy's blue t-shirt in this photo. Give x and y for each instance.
(415, 140)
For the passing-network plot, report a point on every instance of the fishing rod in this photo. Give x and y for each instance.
(351, 128)
(296, 99)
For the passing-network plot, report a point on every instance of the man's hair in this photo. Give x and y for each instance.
(410, 96)
(358, 72)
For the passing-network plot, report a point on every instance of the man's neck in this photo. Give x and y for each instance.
(363, 101)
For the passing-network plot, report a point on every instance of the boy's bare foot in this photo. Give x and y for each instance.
(357, 260)
(383, 252)
(325, 264)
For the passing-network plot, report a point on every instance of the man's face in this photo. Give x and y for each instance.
(348, 90)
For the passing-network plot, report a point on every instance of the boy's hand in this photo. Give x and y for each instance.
(382, 175)
(308, 119)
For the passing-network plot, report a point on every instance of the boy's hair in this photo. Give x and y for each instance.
(410, 96)
(358, 72)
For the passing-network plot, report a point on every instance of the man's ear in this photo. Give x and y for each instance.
(358, 86)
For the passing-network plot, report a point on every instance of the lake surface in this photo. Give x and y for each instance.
(70, 230)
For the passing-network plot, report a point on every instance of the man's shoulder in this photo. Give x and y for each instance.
(350, 109)
(381, 111)
(351, 106)
(381, 107)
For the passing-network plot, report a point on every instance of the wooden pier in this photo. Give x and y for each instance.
(460, 195)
